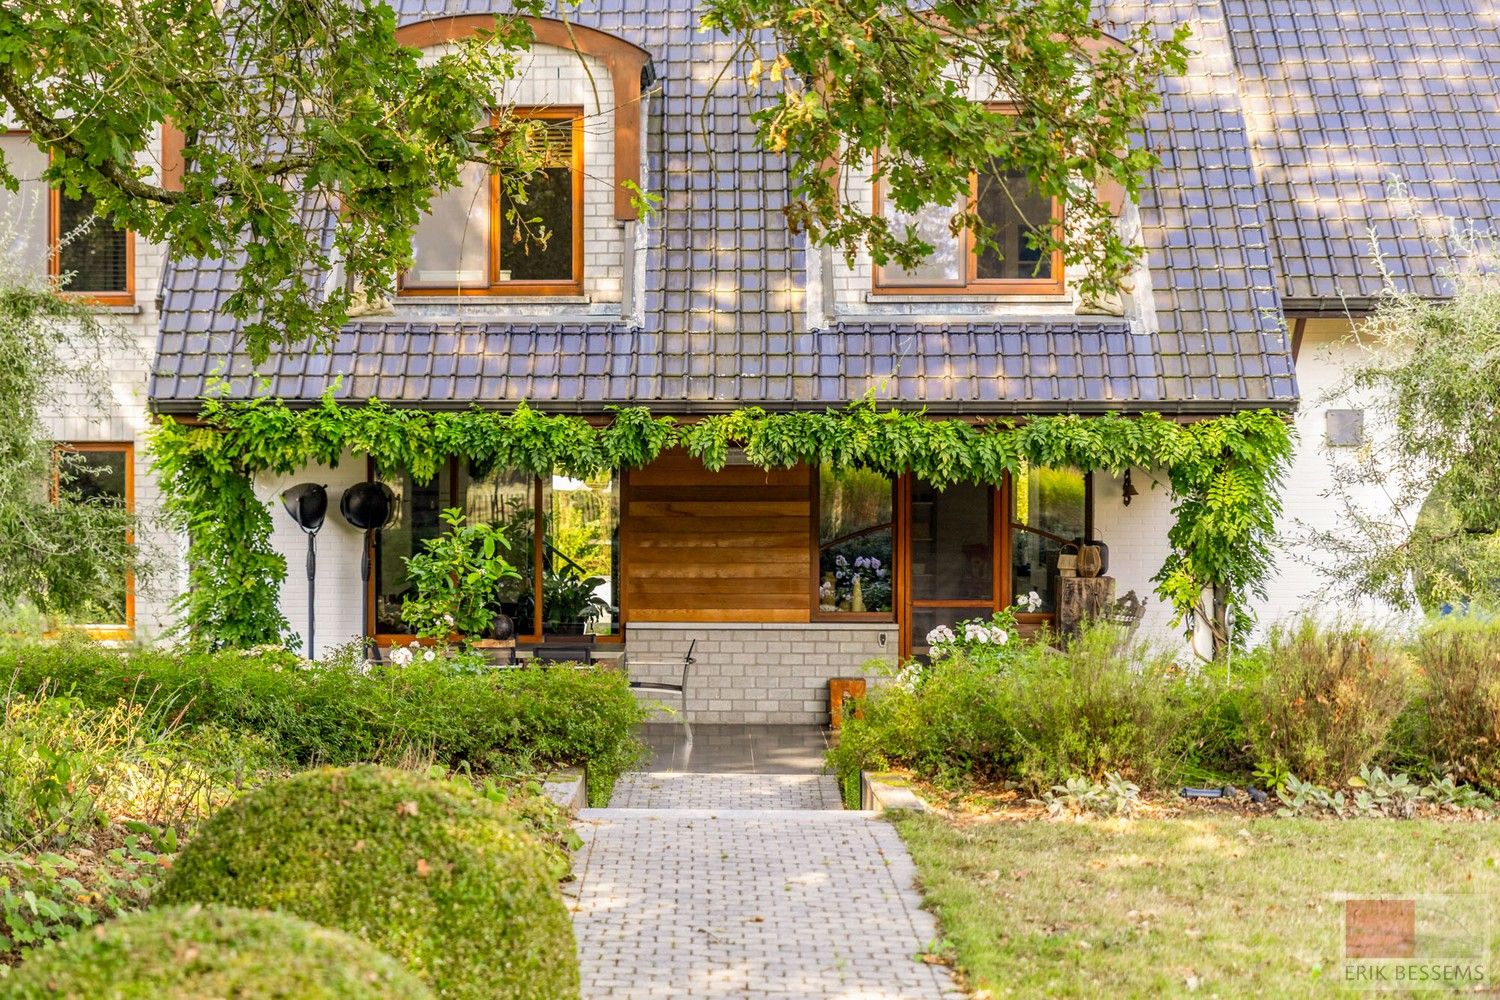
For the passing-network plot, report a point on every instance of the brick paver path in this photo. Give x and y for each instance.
(696, 900)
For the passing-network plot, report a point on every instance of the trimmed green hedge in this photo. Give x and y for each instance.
(499, 721)
(428, 872)
(194, 952)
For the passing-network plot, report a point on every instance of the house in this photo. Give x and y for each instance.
(1277, 149)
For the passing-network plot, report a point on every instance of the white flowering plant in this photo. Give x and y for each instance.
(982, 641)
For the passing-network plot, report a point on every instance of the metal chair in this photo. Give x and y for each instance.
(680, 689)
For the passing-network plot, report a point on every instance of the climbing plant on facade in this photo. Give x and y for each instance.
(1225, 475)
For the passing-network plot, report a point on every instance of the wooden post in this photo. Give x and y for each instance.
(1080, 599)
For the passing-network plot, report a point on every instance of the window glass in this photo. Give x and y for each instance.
(100, 475)
(416, 517)
(855, 542)
(23, 213)
(451, 244)
(580, 555)
(947, 265)
(1013, 208)
(1047, 512)
(505, 499)
(546, 211)
(952, 544)
(93, 254)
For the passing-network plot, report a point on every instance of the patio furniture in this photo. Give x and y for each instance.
(554, 652)
(667, 687)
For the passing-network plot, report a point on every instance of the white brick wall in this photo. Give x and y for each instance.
(339, 595)
(119, 413)
(1137, 540)
(1297, 586)
(750, 672)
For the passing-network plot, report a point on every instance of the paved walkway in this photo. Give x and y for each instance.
(689, 897)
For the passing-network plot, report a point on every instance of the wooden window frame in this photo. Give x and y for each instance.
(815, 557)
(125, 297)
(495, 286)
(972, 284)
(538, 635)
(107, 631)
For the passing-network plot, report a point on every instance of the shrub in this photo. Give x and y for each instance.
(1325, 699)
(501, 720)
(66, 768)
(1459, 657)
(91, 805)
(428, 872)
(1100, 705)
(197, 952)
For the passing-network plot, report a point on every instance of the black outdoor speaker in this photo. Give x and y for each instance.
(308, 505)
(367, 506)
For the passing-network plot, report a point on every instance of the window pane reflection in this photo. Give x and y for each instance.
(581, 555)
(505, 499)
(855, 542)
(416, 517)
(1047, 511)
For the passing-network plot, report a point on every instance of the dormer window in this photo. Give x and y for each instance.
(1013, 209)
(476, 240)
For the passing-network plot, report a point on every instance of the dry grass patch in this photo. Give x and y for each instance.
(1223, 906)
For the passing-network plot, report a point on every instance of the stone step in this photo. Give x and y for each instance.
(725, 790)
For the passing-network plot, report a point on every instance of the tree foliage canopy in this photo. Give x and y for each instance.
(928, 94)
(61, 553)
(289, 107)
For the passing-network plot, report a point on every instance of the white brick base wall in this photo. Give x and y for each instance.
(758, 672)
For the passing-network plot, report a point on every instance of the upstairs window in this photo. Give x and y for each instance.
(477, 240)
(1012, 209)
(50, 232)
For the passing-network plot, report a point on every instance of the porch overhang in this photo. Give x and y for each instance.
(978, 368)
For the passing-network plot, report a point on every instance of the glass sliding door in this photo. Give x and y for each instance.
(971, 550)
(1047, 512)
(581, 555)
(951, 566)
(506, 499)
(416, 517)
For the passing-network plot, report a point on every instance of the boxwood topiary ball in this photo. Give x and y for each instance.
(428, 872)
(188, 953)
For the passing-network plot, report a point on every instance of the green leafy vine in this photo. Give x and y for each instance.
(1225, 475)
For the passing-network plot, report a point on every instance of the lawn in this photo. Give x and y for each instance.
(1220, 906)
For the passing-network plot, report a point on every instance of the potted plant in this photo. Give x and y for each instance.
(570, 601)
(456, 579)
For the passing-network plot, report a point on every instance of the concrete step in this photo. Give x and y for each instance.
(725, 790)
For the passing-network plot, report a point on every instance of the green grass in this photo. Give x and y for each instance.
(1221, 906)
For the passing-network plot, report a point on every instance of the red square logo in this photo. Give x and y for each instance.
(1380, 928)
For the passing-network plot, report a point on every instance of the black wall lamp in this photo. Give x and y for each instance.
(308, 505)
(368, 507)
(1128, 490)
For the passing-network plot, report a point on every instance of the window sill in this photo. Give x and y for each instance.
(108, 309)
(493, 300)
(966, 298)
